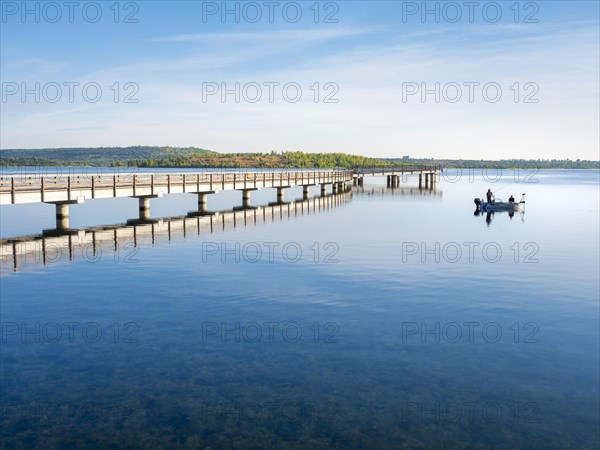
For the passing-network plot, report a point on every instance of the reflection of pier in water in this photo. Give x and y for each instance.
(93, 242)
(380, 191)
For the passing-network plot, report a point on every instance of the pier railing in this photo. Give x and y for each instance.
(395, 170)
(153, 183)
(62, 189)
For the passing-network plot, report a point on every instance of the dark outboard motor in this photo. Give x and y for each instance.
(477, 207)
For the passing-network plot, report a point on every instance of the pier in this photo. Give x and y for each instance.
(63, 191)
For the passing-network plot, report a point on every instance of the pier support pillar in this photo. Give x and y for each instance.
(280, 194)
(323, 190)
(62, 216)
(305, 192)
(360, 181)
(420, 181)
(62, 213)
(203, 201)
(144, 208)
(246, 198)
(335, 188)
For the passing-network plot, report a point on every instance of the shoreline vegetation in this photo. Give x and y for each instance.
(193, 157)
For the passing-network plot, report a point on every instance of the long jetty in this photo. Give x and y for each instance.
(63, 191)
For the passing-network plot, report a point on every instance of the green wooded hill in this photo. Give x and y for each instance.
(262, 160)
(101, 156)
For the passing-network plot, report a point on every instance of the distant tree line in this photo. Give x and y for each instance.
(506, 163)
(148, 156)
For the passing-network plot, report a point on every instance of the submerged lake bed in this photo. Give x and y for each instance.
(375, 318)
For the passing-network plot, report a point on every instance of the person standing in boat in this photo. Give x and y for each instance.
(490, 196)
(511, 199)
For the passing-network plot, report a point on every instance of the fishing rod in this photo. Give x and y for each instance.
(522, 195)
(495, 192)
(499, 189)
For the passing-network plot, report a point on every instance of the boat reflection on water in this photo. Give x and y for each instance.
(489, 215)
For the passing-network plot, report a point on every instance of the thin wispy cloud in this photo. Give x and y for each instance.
(82, 129)
(277, 36)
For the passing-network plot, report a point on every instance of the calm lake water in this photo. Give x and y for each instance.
(378, 319)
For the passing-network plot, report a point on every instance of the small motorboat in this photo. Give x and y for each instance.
(499, 205)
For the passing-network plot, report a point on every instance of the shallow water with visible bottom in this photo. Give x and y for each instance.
(383, 318)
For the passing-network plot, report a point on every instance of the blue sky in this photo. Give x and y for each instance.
(531, 69)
